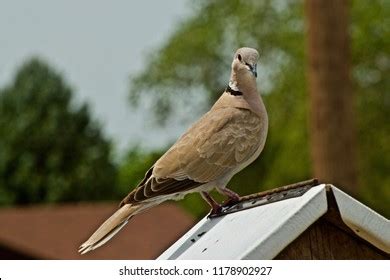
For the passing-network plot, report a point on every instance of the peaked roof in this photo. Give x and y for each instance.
(261, 227)
(55, 232)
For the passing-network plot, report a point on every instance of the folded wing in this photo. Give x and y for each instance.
(218, 143)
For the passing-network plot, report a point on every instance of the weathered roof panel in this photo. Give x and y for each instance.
(256, 233)
(263, 226)
(366, 223)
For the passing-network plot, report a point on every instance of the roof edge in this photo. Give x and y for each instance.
(363, 221)
(313, 208)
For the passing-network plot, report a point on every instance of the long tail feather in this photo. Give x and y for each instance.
(109, 228)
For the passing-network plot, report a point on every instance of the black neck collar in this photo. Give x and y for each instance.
(232, 91)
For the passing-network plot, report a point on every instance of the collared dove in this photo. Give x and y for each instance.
(221, 143)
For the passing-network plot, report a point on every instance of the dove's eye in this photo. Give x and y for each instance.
(250, 66)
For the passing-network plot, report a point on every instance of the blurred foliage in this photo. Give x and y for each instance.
(370, 32)
(197, 57)
(49, 150)
(133, 168)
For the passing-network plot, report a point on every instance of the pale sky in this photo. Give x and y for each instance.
(96, 45)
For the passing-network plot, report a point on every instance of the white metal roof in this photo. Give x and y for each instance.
(264, 231)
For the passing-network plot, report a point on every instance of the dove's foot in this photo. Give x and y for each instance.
(232, 196)
(215, 210)
(229, 202)
(215, 207)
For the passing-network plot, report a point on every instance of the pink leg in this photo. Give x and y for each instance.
(215, 207)
(232, 196)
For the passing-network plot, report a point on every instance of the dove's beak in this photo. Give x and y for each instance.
(254, 70)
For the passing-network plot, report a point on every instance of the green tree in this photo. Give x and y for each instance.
(50, 150)
(133, 168)
(197, 56)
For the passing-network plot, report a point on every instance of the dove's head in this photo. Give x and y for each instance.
(245, 62)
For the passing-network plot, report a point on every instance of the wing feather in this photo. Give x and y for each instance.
(219, 142)
(215, 145)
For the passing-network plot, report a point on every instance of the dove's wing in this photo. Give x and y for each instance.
(222, 140)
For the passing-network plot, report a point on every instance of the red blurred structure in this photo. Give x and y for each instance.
(55, 232)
